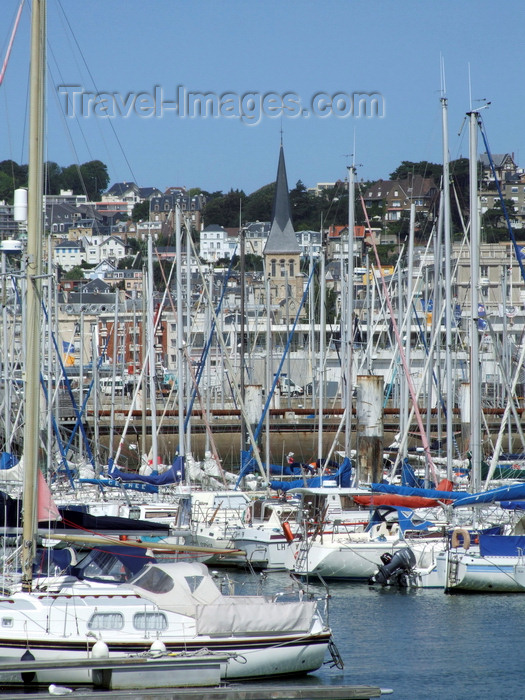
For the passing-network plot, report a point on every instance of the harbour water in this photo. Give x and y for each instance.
(424, 645)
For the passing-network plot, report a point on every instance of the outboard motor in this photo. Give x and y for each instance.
(395, 569)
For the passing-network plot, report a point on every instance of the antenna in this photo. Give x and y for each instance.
(442, 76)
(469, 88)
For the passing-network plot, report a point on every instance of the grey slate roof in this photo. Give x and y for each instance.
(282, 237)
(120, 188)
(497, 158)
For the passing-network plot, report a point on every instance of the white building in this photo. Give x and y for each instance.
(217, 243)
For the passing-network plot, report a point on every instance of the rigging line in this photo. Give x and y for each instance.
(96, 90)
(207, 424)
(415, 407)
(114, 460)
(436, 383)
(518, 251)
(237, 395)
(11, 41)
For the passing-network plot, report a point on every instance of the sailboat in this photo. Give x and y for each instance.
(166, 608)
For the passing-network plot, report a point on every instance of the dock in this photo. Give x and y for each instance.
(177, 677)
(232, 692)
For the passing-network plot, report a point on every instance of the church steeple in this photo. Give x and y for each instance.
(281, 238)
(282, 252)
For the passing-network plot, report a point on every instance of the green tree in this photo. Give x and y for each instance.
(52, 178)
(225, 209)
(90, 178)
(6, 187)
(258, 205)
(76, 273)
(141, 211)
(423, 168)
(95, 177)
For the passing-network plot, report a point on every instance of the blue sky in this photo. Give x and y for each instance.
(126, 48)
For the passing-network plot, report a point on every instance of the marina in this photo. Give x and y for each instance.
(260, 461)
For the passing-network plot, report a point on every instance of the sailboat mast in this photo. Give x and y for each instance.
(242, 326)
(447, 235)
(475, 403)
(150, 332)
(350, 328)
(180, 333)
(34, 287)
(322, 344)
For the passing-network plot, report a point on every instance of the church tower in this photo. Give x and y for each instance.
(282, 253)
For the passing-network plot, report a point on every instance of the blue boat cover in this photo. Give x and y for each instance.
(422, 493)
(342, 477)
(501, 545)
(408, 476)
(513, 505)
(7, 460)
(116, 483)
(504, 493)
(405, 518)
(173, 475)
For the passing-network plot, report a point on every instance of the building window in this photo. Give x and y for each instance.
(291, 267)
(273, 265)
(283, 268)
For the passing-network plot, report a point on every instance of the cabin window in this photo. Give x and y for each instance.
(106, 621)
(150, 621)
(7, 622)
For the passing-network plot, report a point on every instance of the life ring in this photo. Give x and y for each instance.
(463, 534)
(287, 531)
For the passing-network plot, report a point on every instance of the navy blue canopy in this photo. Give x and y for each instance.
(342, 477)
(173, 475)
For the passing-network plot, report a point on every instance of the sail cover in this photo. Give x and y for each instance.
(504, 493)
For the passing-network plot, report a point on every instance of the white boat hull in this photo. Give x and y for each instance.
(352, 561)
(265, 549)
(175, 606)
(471, 572)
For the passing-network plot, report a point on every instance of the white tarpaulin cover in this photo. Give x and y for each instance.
(187, 588)
(232, 615)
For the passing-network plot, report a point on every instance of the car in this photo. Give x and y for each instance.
(289, 388)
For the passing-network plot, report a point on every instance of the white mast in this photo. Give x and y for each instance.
(408, 319)
(350, 310)
(151, 352)
(447, 235)
(322, 343)
(180, 332)
(475, 403)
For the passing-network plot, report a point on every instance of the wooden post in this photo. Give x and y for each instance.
(369, 408)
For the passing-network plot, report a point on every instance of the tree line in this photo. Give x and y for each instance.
(91, 179)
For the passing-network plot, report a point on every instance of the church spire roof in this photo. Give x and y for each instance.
(281, 238)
